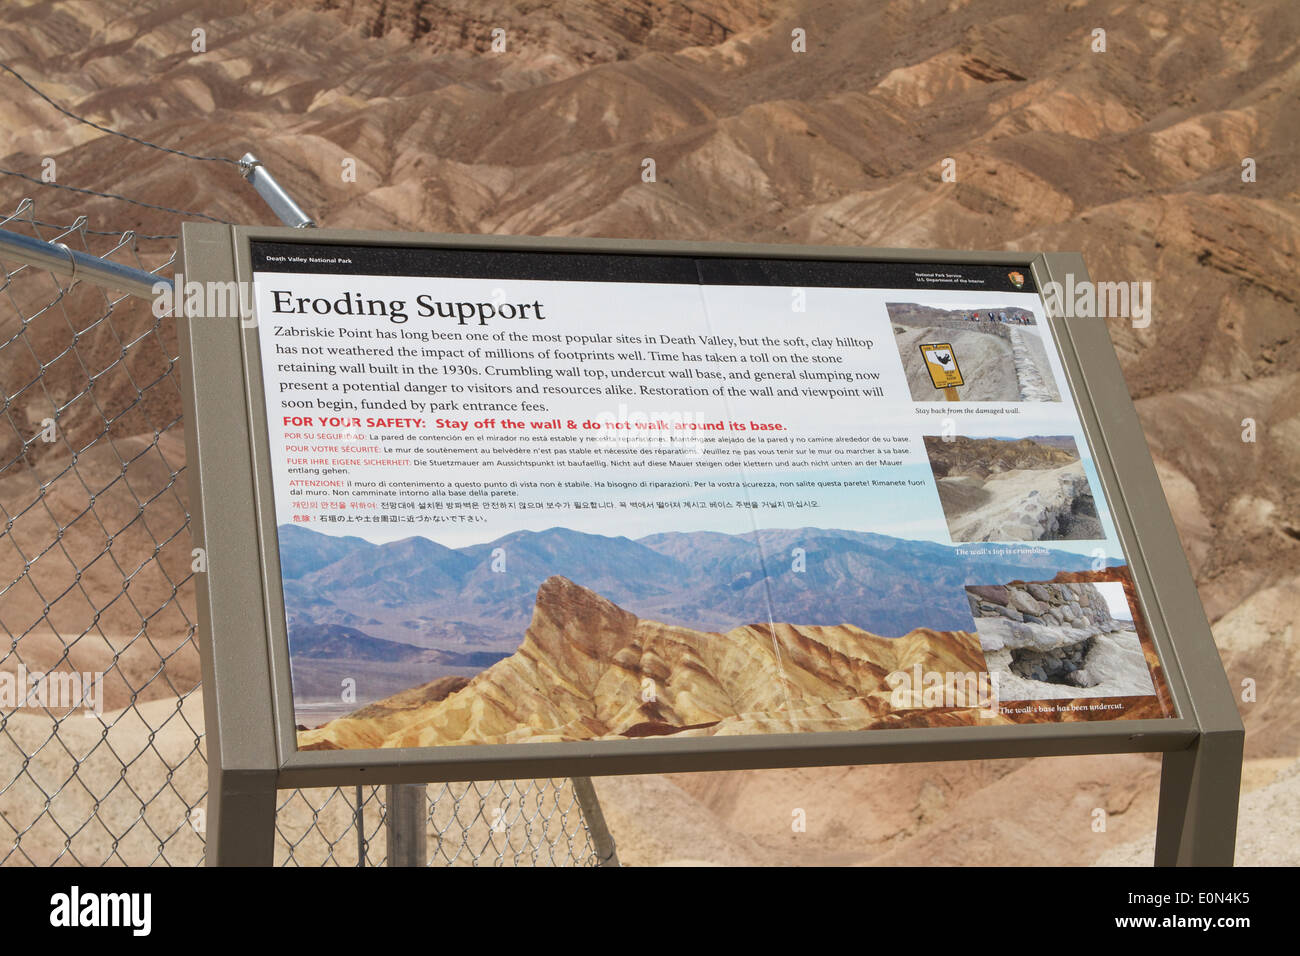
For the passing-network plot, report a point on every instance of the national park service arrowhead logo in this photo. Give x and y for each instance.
(1017, 279)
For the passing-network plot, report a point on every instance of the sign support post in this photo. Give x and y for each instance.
(1200, 784)
(1199, 791)
(242, 758)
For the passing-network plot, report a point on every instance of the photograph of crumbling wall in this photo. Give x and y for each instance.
(1013, 489)
(1001, 352)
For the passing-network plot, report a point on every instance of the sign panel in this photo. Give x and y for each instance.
(941, 363)
(540, 497)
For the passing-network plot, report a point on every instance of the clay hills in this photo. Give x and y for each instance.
(981, 457)
(588, 669)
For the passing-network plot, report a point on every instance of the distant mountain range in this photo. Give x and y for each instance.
(445, 609)
(336, 642)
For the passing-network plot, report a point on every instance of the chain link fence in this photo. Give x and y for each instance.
(101, 718)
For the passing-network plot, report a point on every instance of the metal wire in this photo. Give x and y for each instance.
(498, 823)
(97, 577)
(112, 132)
(116, 196)
(102, 232)
(510, 823)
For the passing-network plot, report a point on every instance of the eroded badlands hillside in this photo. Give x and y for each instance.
(581, 673)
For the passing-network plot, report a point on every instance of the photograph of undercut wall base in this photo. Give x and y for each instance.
(1013, 489)
(1049, 641)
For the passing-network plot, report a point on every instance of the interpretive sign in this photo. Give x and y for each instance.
(597, 498)
(528, 504)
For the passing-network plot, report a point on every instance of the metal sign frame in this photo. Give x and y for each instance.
(243, 644)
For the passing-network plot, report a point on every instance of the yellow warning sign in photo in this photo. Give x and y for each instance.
(941, 363)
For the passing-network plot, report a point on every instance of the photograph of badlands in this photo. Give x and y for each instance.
(1013, 489)
(1046, 641)
(1001, 352)
(580, 675)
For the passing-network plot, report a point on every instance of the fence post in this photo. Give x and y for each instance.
(589, 803)
(404, 823)
(281, 203)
